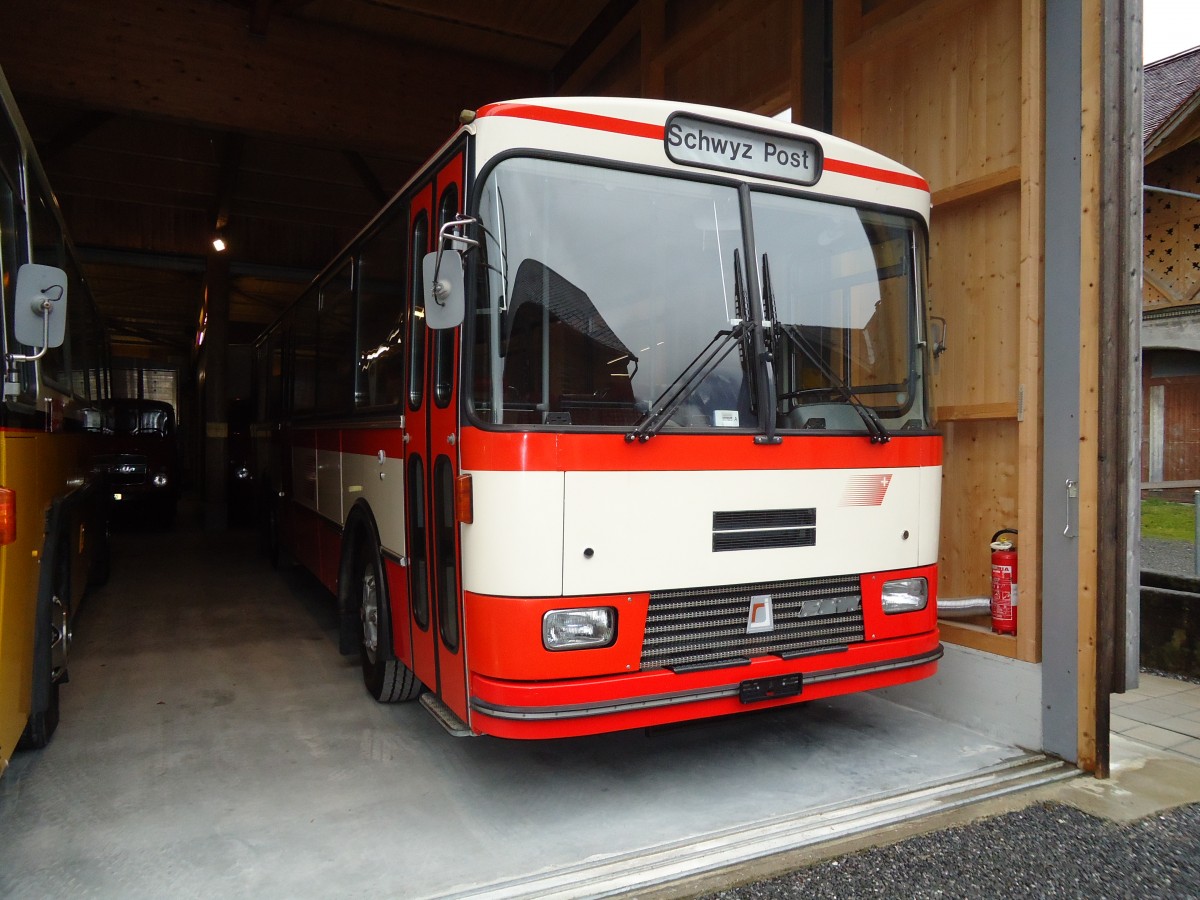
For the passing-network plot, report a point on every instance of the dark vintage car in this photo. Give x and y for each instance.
(139, 458)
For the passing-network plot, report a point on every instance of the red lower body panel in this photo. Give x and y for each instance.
(568, 708)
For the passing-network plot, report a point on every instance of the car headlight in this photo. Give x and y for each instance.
(905, 595)
(576, 629)
(159, 479)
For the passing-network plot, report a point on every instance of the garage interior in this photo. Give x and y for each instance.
(212, 735)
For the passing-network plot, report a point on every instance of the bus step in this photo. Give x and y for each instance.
(445, 715)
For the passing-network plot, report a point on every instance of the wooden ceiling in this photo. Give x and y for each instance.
(286, 123)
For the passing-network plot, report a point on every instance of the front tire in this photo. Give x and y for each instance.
(386, 678)
(52, 636)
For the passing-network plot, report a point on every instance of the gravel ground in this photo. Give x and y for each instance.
(1172, 557)
(1045, 851)
(1049, 850)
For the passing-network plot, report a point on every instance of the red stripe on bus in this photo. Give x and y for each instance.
(872, 173)
(548, 452)
(656, 132)
(574, 119)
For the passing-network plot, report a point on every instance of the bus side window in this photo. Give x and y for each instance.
(416, 353)
(381, 318)
(49, 248)
(9, 239)
(79, 332)
(334, 375)
(443, 376)
(304, 364)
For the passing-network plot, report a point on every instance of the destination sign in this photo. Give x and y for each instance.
(692, 141)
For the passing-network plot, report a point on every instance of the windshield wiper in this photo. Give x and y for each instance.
(693, 375)
(879, 434)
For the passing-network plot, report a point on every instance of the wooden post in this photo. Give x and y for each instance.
(214, 363)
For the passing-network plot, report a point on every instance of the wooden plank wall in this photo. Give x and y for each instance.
(952, 88)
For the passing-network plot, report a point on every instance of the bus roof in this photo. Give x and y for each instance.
(689, 136)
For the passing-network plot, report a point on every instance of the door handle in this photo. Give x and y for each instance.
(1072, 528)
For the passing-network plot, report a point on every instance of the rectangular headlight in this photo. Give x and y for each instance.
(575, 629)
(905, 595)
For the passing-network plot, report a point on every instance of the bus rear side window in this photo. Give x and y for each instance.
(416, 353)
(381, 319)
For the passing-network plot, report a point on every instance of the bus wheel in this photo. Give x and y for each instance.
(387, 679)
(52, 636)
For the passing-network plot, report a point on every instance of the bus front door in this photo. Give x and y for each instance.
(432, 470)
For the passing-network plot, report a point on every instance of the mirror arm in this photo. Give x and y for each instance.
(445, 236)
(12, 378)
(24, 357)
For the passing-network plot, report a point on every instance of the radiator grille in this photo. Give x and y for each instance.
(697, 626)
(763, 529)
(127, 470)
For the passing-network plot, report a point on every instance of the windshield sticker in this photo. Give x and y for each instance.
(725, 418)
(716, 145)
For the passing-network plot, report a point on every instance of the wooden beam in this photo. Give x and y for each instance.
(702, 30)
(897, 22)
(978, 412)
(1089, 377)
(74, 132)
(595, 42)
(654, 32)
(1174, 299)
(231, 164)
(1029, 346)
(367, 176)
(978, 637)
(195, 61)
(975, 188)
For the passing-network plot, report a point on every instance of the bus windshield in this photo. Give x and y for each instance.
(607, 295)
(840, 286)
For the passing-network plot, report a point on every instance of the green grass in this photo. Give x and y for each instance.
(1168, 521)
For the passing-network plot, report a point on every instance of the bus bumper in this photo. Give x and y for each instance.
(581, 706)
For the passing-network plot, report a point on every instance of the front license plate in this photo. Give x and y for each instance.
(769, 688)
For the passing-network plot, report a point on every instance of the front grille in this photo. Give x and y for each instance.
(127, 474)
(703, 625)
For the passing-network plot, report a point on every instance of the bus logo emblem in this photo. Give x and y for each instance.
(761, 616)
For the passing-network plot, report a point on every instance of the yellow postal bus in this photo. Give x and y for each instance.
(53, 527)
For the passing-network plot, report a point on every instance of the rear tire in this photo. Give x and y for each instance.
(386, 678)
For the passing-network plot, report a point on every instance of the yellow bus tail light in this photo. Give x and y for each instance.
(464, 500)
(8, 515)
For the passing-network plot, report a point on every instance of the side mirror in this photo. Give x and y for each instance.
(40, 316)
(445, 293)
(442, 276)
(938, 333)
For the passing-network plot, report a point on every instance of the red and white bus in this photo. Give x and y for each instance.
(618, 415)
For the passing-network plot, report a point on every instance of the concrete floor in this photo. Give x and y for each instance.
(214, 743)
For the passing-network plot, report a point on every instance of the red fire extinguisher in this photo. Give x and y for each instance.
(1004, 584)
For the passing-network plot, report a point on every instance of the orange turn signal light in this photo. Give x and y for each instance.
(8, 515)
(464, 500)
